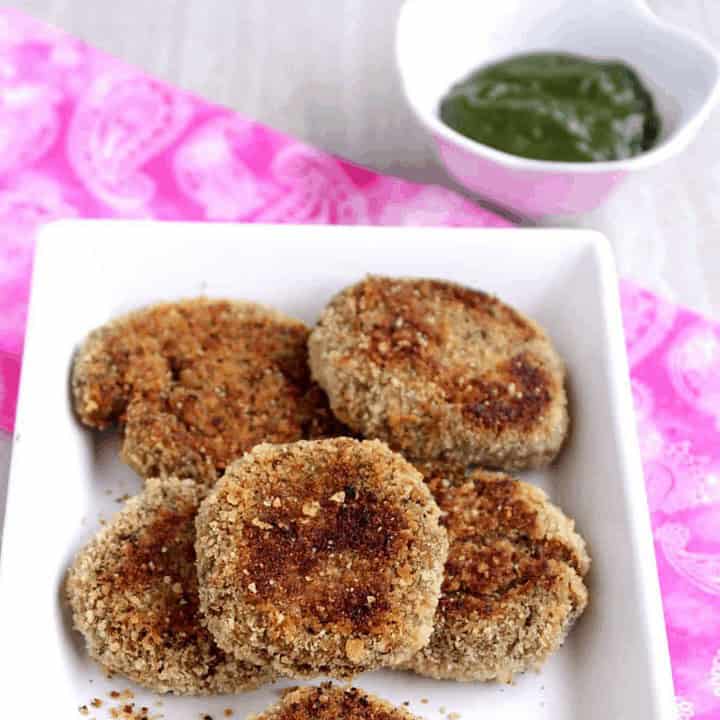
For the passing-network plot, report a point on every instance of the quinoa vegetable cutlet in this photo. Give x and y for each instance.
(440, 371)
(329, 702)
(321, 557)
(513, 583)
(196, 383)
(133, 593)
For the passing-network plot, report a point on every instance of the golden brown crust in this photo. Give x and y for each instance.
(322, 557)
(198, 382)
(441, 371)
(133, 592)
(329, 702)
(513, 579)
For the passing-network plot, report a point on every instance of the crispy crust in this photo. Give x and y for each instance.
(513, 579)
(133, 593)
(198, 382)
(440, 371)
(321, 557)
(329, 702)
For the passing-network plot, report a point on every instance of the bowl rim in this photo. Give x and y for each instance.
(661, 151)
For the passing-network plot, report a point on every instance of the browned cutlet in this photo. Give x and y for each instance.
(513, 584)
(134, 595)
(196, 383)
(321, 557)
(441, 371)
(329, 702)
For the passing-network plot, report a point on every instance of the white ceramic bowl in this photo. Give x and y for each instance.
(441, 41)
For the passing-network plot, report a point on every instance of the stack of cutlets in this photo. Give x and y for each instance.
(331, 501)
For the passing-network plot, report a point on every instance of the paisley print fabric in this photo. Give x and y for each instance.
(82, 134)
(675, 367)
(120, 122)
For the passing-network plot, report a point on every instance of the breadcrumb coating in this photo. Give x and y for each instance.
(513, 584)
(196, 383)
(329, 702)
(440, 371)
(134, 595)
(321, 557)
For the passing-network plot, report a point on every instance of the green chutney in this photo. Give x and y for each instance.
(555, 106)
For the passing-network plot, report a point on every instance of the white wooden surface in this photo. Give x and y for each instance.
(323, 71)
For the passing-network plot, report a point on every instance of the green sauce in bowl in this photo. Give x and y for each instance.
(555, 106)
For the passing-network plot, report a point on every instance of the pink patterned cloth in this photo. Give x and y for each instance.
(83, 135)
(675, 369)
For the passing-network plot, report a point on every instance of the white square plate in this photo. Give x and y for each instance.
(64, 478)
